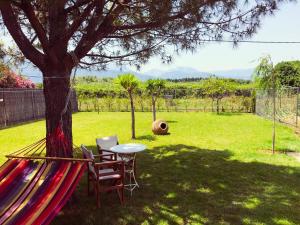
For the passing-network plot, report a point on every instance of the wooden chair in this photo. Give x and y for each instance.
(106, 176)
(104, 144)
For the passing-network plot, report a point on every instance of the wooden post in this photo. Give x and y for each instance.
(33, 105)
(297, 103)
(274, 112)
(2, 105)
(4, 109)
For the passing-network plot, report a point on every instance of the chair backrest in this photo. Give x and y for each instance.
(106, 143)
(88, 155)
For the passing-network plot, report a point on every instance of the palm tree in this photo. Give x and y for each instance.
(154, 87)
(130, 83)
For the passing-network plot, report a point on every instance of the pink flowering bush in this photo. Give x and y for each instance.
(9, 79)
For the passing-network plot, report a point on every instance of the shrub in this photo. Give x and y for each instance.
(9, 79)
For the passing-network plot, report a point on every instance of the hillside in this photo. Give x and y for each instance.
(177, 73)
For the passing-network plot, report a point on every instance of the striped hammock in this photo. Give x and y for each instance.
(33, 188)
(32, 192)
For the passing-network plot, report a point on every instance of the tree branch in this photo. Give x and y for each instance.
(36, 25)
(78, 4)
(10, 21)
(129, 54)
(152, 24)
(77, 22)
(92, 37)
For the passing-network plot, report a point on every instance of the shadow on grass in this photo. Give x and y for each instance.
(146, 137)
(183, 184)
(230, 114)
(171, 121)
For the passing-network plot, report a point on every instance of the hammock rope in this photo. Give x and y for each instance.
(58, 138)
(76, 62)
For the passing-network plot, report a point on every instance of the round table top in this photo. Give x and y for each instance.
(128, 148)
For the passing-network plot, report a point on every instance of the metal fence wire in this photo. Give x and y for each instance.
(22, 105)
(286, 105)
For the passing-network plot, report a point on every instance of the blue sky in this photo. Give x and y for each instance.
(283, 26)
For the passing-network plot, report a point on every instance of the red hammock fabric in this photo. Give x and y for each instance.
(33, 193)
(59, 140)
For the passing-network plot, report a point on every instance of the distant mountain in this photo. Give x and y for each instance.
(188, 72)
(177, 73)
(35, 75)
(112, 73)
(244, 74)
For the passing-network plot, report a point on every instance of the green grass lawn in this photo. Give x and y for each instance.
(210, 170)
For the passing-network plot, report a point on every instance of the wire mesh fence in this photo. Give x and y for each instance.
(286, 105)
(21, 105)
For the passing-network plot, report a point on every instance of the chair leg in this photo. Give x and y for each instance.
(121, 195)
(88, 184)
(96, 186)
(134, 167)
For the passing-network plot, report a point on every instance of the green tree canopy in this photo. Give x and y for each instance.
(128, 81)
(288, 73)
(264, 75)
(217, 88)
(155, 86)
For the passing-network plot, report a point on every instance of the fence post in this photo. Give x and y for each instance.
(4, 109)
(32, 103)
(297, 104)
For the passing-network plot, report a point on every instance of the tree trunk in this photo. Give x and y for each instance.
(132, 116)
(218, 106)
(153, 108)
(56, 91)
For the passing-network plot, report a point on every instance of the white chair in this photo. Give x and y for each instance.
(104, 144)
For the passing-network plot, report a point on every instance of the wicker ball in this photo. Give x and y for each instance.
(160, 127)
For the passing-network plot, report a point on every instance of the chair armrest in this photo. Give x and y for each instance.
(106, 150)
(101, 155)
(108, 163)
(106, 157)
(117, 166)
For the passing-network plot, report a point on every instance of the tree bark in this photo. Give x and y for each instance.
(153, 108)
(132, 116)
(218, 105)
(56, 89)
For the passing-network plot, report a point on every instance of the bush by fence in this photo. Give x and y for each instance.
(21, 105)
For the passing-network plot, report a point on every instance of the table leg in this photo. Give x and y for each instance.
(131, 171)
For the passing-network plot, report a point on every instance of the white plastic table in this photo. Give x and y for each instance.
(127, 152)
